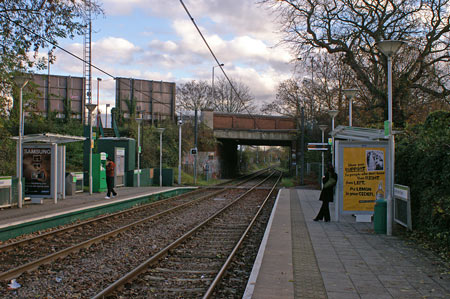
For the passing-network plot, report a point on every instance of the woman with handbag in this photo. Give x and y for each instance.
(327, 194)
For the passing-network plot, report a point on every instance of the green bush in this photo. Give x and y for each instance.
(423, 164)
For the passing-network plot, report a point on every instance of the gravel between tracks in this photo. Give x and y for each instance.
(87, 272)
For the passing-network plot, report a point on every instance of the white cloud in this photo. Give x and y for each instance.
(114, 50)
(240, 32)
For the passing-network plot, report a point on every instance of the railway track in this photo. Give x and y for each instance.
(154, 223)
(193, 265)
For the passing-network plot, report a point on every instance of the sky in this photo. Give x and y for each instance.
(156, 40)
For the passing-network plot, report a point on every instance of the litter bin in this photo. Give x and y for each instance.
(379, 216)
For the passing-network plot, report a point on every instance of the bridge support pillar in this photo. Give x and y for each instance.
(228, 158)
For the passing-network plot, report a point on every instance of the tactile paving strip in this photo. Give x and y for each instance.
(308, 281)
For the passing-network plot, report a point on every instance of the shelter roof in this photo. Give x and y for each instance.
(49, 138)
(356, 133)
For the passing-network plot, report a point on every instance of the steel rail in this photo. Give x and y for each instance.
(163, 252)
(227, 263)
(12, 245)
(15, 272)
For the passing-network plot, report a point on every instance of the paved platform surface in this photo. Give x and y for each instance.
(300, 258)
(14, 215)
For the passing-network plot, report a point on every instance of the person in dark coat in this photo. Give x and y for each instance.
(327, 194)
(110, 168)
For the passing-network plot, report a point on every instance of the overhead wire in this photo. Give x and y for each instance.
(81, 59)
(218, 63)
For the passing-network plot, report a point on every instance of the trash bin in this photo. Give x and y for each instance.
(379, 216)
(71, 184)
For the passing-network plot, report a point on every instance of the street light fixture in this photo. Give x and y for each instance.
(212, 79)
(322, 128)
(389, 48)
(21, 82)
(350, 94)
(139, 121)
(333, 114)
(160, 131)
(91, 107)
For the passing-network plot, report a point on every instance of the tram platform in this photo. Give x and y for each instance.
(35, 213)
(301, 258)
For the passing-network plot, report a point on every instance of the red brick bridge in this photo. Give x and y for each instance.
(233, 129)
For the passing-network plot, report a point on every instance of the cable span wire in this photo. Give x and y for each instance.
(81, 59)
(218, 63)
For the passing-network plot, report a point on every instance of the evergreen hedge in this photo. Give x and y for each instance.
(423, 164)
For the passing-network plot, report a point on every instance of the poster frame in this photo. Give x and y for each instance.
(51, 168)
(339, 194)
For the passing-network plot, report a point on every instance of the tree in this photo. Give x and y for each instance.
(317, 93)
(30, 25)
(351, 28)
(233, 101)
(194, 95)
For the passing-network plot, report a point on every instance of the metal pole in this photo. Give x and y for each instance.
(321, 181)
(90, 108)
(332, 141)
(179, 151)
(298, 142)
(160, 159)
(90, 152)
(139, 155)
(195, 142)
(212, 83)
(302, 148)
(98, 101)
(19, 183)
(391, 151)
(47, 97)
(350, 112)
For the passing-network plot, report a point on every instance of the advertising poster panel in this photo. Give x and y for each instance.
(37, 167)
(364, 171)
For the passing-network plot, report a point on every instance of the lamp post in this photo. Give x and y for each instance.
(212, 79)
(139, 121)
(90, 107)
(389, 48)
(160, 130)
(333, 114)
(322, 128)
(180, 122)
(106, 119)
(21, 82)
(350, 93)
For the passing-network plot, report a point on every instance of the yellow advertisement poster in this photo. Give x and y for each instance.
(364, 177)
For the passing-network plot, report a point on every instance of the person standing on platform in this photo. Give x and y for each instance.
(110, 167)
(327, 194)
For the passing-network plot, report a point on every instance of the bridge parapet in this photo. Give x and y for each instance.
(234, 121)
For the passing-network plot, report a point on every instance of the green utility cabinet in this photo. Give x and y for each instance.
(167, 177)
(99, 172)
(146, 177)
(379, 216)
